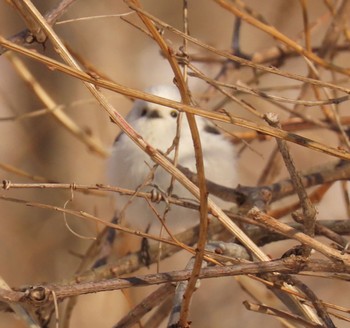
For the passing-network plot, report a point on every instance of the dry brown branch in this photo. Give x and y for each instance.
(263, 309)
(20, 310)
(139, 141)
(288, 59)
(317, 304)
(153, 153)
(34, 33)
(301, 237)
(259, 237)
(180, 81)
(42, 293)
(309, 211)
(54, 109)
(151, 301)
(237, 59)
(186, 108)
(279, 36)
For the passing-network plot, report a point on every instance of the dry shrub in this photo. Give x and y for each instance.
(273, 74)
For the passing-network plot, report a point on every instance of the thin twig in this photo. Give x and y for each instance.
(26, 37)
(309, 211)
(260, 308)
(312, 144)
(281, 37)
(237, 59)
(42, 293)
(7, 296)
(286, 230)
(54, 109)
(147, 304)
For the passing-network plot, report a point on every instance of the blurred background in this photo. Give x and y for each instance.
(35, 244)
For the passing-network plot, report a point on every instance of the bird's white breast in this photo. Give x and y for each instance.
(129, 166)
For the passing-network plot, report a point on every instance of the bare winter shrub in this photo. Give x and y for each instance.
(271, 75)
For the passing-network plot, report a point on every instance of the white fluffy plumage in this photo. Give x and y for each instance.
(129, 165)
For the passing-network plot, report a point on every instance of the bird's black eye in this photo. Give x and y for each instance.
(173, 113)
(144, 112)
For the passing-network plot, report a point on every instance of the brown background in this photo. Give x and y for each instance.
(35, 245)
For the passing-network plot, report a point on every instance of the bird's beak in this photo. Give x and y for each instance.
(154, 114)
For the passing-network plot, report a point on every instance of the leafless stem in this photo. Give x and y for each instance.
(309, 211)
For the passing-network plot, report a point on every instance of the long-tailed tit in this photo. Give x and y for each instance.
(129, 166)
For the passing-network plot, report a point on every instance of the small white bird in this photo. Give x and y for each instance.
(129, 166)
